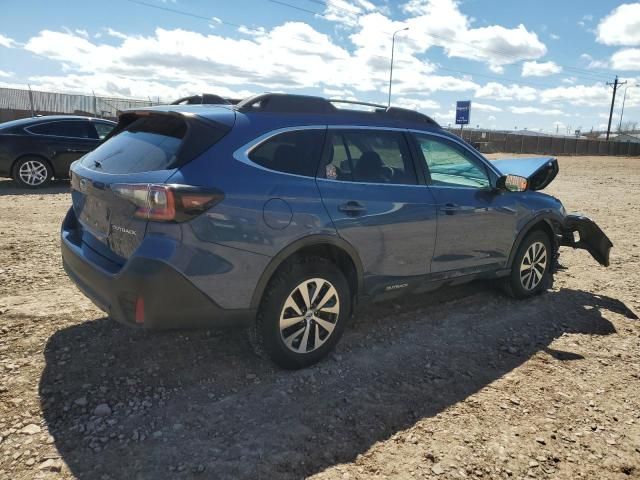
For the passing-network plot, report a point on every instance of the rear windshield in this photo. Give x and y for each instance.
(146, 144)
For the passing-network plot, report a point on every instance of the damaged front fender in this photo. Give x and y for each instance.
(579, 231)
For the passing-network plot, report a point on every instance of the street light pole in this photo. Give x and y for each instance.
(624, 98)
(393, 44)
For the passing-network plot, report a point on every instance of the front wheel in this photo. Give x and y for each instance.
(531, 271)
(32, 172)
(303, 313)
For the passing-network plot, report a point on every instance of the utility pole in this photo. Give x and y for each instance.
(624, 99)
(615, 86)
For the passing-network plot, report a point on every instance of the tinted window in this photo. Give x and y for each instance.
(296, 152)
(148, 143)
(102, 129)
(64, 128)
(374, 156)
(451, 166)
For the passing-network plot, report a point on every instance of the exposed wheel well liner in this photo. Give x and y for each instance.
(338, 251)
(541, 222)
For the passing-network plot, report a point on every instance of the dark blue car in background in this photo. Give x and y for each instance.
(284, 212)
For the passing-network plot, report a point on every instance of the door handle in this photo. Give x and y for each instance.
(352, 208)
(450, 208)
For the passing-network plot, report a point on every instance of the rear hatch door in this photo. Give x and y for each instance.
(146, 148)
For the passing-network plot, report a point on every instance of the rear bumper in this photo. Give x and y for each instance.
(170, 299)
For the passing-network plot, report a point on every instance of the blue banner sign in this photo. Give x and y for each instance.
(463, 112)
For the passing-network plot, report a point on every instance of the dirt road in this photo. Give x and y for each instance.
(463, 383)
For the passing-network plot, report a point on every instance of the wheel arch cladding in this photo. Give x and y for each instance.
(543, 223)
(343, 255)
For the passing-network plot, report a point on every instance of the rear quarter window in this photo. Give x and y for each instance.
(297, 152)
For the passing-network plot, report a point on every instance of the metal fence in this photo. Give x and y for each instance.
(492, 142)
(19, 103)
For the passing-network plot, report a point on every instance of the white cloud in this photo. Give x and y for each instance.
(5, 74)
(535, 111)
(626, 59)
(427, 105)
(7, 42)
(554, 36)
(498, 91)
(440, 23)
(540, 69)
(593, 63)
(113, 33)
(294, 55)
(256, 32)
(123, 86)
(347, 12)
(337, 93)
(485, 107)
(621, 26)
(498, 45)
(585, 20)
(581, 95)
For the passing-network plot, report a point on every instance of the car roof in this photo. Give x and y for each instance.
(279, 118)
(25, 122)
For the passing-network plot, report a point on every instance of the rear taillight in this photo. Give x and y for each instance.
(167, 203)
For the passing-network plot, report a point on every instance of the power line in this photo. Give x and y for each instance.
(296, 7)
(184, 13)
(495, 77)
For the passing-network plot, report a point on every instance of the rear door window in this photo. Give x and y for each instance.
(64, 128)
(146, 144)
(297, 152)
(371, 156)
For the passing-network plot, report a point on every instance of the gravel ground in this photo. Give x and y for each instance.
(461, 383)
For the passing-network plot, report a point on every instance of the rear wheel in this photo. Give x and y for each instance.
(531, 270)
(32, 172)
(303, 313)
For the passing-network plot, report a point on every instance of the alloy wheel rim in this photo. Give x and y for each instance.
(309, 315)
(33, 172)
(533, 265)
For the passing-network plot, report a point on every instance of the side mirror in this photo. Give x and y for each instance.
(512, 183)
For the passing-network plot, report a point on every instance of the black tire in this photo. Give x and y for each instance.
(32, 172)
(521, 285)
(266, 336)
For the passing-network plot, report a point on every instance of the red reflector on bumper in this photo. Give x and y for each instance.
(140, 310)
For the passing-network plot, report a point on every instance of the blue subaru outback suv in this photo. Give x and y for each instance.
(281, 213)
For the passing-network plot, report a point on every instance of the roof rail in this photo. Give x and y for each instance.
(410, 115)
(285, 103)
(281, 102)
(355, 102)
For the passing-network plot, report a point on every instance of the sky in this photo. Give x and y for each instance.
(540, 65)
